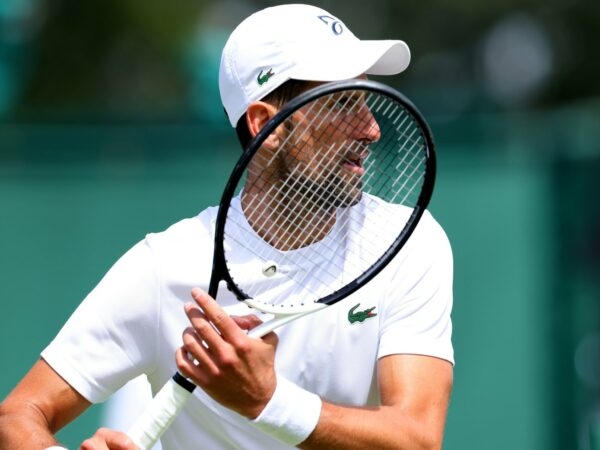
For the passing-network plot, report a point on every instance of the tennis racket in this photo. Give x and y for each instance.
(323, 198)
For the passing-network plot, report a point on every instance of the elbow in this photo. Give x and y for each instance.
(422, 438)
(428, 441)
(424, 444)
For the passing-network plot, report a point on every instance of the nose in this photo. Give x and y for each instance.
(366, 127)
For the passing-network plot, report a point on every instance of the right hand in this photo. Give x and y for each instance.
(236, 370)
(106, 439)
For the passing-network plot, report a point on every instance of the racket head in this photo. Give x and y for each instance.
(358, 157)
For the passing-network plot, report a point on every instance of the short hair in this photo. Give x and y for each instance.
(278, 97)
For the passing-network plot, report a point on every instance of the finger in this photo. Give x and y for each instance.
(189, 368)
(204, 328)
(271, 339)
(196, 348)
(207, 345)
(106, 439)
(224, 324)
(93, 444)
(209, 338)
(250, 321)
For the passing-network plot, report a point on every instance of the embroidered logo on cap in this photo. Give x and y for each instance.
(263, 78)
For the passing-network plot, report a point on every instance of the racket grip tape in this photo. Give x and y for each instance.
(160, 412)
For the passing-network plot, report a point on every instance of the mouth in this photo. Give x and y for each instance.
(354, 163)
(354, 166)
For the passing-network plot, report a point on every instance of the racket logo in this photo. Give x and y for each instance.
(269, 269)
(263, 78)
(360, 316)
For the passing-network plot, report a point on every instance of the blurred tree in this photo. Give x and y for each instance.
(19, 24)
(115, 57)
(132, 58)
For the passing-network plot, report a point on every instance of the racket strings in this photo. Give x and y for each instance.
(302, 259)
(399, 184)
(340, 228)
(410, 143)
(300, 179)
(403, 148)
(295, 181)
(393, 171)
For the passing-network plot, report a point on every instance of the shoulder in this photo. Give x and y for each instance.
(185, 232)
(179, 253)
(430, 236)
(430, 227)
(426, 255)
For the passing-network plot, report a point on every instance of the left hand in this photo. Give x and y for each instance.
(218, 356)
(105, 439)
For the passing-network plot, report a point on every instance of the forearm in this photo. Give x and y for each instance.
(25, 429)
(40, 405)
(300, 418)
(386, 427)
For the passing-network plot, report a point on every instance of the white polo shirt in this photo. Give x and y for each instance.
(132, 323)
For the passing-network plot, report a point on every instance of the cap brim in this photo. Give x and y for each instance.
(383, 57)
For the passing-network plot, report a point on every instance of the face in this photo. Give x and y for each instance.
(324, 147)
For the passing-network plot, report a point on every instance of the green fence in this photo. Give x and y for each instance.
(515, 194)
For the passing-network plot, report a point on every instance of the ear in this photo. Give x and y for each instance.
(257, 116)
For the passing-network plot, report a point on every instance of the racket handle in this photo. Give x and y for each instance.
(160, 412)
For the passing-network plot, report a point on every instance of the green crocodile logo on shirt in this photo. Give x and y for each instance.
(263, 78)
(360, 316)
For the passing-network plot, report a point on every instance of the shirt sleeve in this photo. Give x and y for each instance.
(417, 316)
(111, 336)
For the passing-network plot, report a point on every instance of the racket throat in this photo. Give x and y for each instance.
(280, 320)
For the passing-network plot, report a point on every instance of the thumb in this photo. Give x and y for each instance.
(271, 338)
(247, 322)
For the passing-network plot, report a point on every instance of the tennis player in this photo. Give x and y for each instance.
(373, 371)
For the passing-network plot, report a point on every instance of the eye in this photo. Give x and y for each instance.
(343, 102)
(351, 101)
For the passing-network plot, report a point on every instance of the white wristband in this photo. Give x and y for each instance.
(291, 414)
(55, 447)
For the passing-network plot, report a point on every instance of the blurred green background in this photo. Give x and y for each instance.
(111, 127)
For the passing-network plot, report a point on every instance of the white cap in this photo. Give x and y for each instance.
(299, 42)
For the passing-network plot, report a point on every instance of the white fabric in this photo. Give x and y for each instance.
(283, 419)
(299, 42)
(132, 322)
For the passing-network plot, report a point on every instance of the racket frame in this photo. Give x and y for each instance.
(220, 272)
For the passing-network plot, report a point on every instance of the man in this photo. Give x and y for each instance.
(320, 382)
